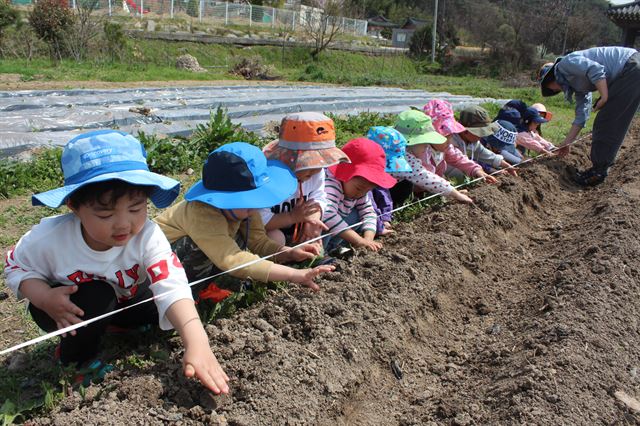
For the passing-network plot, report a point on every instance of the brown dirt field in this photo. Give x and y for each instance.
(522, 310)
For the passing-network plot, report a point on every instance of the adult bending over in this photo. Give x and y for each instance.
(615, 73)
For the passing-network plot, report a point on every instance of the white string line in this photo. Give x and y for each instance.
(253, 262)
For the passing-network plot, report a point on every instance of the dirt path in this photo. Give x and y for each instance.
(522, 310)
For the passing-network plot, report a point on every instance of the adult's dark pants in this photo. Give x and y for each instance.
(96, 298)
(613, 121)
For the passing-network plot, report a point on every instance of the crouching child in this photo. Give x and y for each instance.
(105, 255)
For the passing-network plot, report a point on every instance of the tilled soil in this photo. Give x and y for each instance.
(522, 310)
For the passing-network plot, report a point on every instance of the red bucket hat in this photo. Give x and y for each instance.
(367, 160)
(307, 141)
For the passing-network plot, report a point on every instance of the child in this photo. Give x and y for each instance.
(306, 145)
(547, 115)
(503, 141)
(428, 153)
(528, 136)
(394, 146)
(465, 136)
(237, 181)
(347, 186)
(106, 254)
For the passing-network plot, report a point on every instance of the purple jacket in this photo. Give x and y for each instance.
(382, 204)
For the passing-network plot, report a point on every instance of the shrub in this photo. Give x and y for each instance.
(253, 69)
(218, 131)
(8, 16)
(41, 173)
(420, 42)
(51, 20)
(193, 8)
(166, 155)
(115, 40)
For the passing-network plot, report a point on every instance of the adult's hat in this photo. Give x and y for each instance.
(239, 176)
(417, 128)
(547, 75)
(367, 161)
(307, 141)
(103, 155)
(477, 121)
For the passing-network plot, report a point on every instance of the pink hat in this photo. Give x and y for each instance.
(441, 113)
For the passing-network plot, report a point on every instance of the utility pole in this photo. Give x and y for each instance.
(434, 32)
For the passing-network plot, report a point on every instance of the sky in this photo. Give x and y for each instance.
(620, 1)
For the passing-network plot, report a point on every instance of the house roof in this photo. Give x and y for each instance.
(415, 21)
(381, 21)
(625, 13)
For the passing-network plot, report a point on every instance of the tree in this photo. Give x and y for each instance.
(322, 26)
(51, 20)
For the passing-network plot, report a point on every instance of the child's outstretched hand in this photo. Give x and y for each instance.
(306, 277)
(302, 253)
(459, 196)
(200, 362)
(370, 244)
(487, 177)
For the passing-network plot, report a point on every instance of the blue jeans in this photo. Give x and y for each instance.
(334, 241)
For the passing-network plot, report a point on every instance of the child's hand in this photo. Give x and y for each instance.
(200, 362)
(60, 308)
(305, 277)
(302, 253)
(312, 228)
(304, 209)
(459, 196)
(369, 244)
(512, 171)
(487, 178)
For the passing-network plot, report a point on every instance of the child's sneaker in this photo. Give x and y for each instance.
(589, 178)
(92, 373)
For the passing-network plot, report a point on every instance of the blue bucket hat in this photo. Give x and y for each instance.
(238, 176)
(394, 145)
(104, 155)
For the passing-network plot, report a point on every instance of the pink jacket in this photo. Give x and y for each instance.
(452, 157)
(533, 141)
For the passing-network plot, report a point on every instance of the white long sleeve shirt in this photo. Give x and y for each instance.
(55, 251)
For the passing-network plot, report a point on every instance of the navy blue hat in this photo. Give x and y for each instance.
(104, 155)
(518, 105)
(533, 115)
(510, 115)
(504, 136)
(239, 176)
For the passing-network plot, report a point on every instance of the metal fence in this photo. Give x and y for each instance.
(224, 13)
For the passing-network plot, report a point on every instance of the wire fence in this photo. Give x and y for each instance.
(224, 13)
